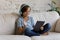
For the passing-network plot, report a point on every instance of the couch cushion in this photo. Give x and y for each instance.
(7, 23)
(14, 37)
(51, 36)
(48, 17)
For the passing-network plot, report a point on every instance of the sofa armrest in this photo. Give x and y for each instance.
(57, 28)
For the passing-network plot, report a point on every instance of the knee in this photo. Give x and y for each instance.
(48, 26)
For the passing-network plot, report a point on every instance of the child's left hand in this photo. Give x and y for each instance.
(42, 28)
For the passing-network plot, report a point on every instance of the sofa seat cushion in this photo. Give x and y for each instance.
(14, 37)
(51, 36)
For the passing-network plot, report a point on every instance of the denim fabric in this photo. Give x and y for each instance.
(30, 33)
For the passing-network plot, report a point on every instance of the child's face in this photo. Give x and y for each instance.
(25, 14)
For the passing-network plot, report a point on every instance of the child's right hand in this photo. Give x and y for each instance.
(20, 31)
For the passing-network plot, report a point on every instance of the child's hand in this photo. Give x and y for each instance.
(42, 28)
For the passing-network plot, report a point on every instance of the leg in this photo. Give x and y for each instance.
(47, 27)
(31, 33)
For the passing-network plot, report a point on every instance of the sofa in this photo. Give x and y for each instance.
(7, 26)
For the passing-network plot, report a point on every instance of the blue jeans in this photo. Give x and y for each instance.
(30, 33)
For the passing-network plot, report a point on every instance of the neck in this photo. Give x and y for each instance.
(25, 17)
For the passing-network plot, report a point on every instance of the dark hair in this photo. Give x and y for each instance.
(23, 9)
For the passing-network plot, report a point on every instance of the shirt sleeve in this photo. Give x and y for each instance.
(19, 22)
(32, 21)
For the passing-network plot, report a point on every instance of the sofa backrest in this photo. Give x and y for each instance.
(48, 17)
(7, 23)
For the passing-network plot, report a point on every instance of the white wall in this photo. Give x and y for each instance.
(8, 6)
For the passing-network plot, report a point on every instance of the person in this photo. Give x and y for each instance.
(25, 23)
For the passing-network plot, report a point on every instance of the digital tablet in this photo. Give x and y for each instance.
(38, 25)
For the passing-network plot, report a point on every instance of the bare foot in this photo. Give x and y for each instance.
(46, 33)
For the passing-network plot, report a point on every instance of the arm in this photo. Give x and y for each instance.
(32, 22)
(19, 27)
(20, 30)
